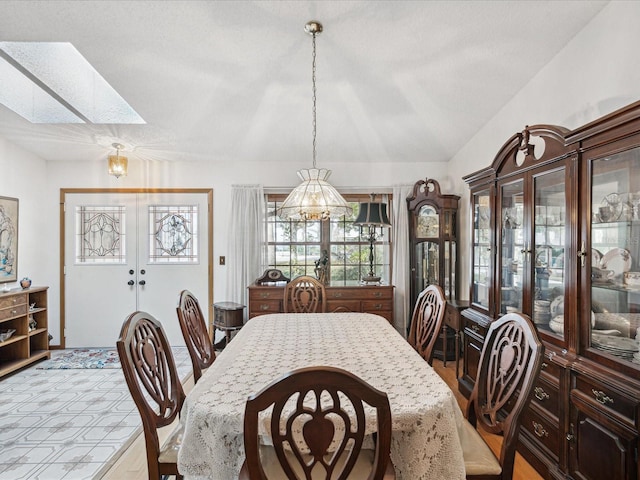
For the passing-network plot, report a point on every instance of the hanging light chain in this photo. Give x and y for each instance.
(313, 82)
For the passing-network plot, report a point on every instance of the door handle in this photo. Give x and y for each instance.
(131, 282)
(142, 282)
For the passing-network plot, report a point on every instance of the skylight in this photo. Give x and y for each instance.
(51, 82)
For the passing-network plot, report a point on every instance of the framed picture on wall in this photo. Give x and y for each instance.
(8, 239)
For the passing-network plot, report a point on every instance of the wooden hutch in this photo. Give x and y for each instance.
(555, 233)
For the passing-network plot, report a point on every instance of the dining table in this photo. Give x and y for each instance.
(426, 417)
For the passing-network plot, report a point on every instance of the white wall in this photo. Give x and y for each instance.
(23, 176)
(595, 74)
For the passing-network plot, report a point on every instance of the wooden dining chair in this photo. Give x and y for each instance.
(317, 425)
(305, 294)
(194, 331)
(152, 378)
(509, 366)
(426, 321)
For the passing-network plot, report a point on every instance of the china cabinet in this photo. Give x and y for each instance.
(433, 251)
(555, 233)
(23, 313)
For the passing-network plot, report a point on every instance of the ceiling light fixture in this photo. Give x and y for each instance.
(372, 215)
(118, 164)
(314, 198)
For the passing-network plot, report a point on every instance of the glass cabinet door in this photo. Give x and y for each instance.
(549, 220)
(512, 247)
(427, 257)
(481, 262)
(615, 256)
(428, 225)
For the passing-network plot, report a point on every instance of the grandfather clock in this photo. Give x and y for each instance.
(433, 221)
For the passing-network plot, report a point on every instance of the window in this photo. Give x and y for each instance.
(294, 247)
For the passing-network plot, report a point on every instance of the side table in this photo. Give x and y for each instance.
(452, 320)
(228, 317)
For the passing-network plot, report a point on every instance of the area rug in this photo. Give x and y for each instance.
(81, 358)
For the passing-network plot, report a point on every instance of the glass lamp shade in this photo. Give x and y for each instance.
(314, 198)
(118, 165)
(373, 214)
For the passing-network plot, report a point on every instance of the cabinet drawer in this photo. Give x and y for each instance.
(376, 306)
(542, 430)
(546, 396)
(343, 306)
(550, 368)
(358, 293)
(601, 395)
(13, 311)
(474, 328)
(13, 300)
(266, 306)
(266, 294)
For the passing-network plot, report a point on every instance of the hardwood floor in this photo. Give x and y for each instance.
(522, 470)
(132, 465)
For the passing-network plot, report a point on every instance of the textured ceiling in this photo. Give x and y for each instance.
(222, 81)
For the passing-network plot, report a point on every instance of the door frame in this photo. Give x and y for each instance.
(68, 191)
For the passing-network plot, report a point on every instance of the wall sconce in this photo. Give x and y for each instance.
(117, 163)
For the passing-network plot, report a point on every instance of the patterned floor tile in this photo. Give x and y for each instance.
(67, 424)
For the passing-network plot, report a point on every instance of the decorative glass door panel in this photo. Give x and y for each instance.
(481, 275)
(615, 255)
(549, 220)
(514, 250)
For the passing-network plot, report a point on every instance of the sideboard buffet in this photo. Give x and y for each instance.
(555, 233)
(376, 299)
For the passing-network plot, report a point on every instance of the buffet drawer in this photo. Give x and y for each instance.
(546, 396)
(376, 306)
(474, 328)
(266, 294)
(542, 431)
(601, 395)
(343, 305)
(266, 306)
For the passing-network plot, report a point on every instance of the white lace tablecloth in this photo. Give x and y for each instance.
(425, 414)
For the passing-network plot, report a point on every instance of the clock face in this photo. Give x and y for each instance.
(274, 274)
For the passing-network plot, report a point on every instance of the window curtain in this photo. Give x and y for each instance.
(400, 239)
(246, 241)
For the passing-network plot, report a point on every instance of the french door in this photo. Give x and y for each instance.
(131, 250)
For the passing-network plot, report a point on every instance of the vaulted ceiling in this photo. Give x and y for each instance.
(223, 81)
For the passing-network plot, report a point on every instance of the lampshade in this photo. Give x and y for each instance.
(118, 164)
(314, 198)
(373, 214)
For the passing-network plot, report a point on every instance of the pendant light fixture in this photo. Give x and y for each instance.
(117, 163)
(314, 198)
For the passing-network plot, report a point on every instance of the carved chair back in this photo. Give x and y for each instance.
(318, 424)
(304, 294)
(426, 321)
(152, 377)
(194, 331)
(508, 370)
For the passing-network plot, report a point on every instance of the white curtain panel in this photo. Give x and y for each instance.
(246, 241)
(400, 239)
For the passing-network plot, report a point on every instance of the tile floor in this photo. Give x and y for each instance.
(67, 424)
